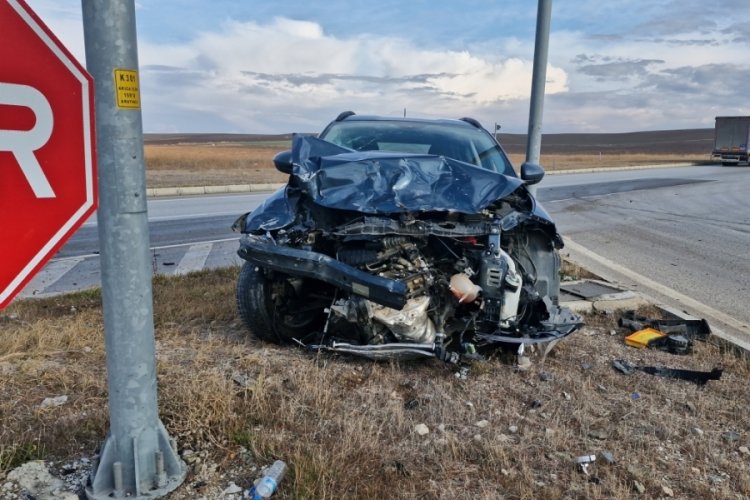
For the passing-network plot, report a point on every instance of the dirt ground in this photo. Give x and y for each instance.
(348, 427)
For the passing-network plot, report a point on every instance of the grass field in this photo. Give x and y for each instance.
(202, 164)
(346, 427)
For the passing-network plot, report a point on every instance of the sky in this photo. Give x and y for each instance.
(292, 66)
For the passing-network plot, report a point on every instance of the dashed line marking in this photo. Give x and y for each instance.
(50, 275)
(194, 259)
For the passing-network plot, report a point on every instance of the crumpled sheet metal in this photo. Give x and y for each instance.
(277, 211)
(375, 182)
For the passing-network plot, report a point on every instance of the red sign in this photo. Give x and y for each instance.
(47, 147)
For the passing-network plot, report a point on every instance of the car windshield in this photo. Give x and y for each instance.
(466, 144)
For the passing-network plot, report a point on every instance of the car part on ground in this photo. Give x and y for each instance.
(380, 246)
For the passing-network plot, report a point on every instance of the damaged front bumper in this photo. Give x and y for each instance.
(307, 264)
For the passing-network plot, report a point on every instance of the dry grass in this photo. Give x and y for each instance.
(346, 426)
(248, 163)
(553, 162)
(207, 165)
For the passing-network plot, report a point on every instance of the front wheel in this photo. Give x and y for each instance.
(277, 307)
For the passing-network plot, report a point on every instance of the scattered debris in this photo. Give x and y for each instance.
(56, 401)
(36, 480)
(267, 485)
(647, 337)
(463, 372)
(524, 363)
(232, 489)
(584, 461)
(699, 377)
(513, 429)
(675, 336)
(730, 436)
(421, 429)
(482, 424)
(744, 450)
(639, 487)
(599, 434)
(536, 404)
(698, 431)
(623, 366)
(692, 329)
(546, 377)
(635, 396)
(607, 456)
(667, 491)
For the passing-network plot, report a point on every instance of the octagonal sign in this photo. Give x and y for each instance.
(47, 147)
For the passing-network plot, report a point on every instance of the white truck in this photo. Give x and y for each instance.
(731, 139)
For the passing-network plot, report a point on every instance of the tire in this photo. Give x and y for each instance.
(271, 308)
(728, 164)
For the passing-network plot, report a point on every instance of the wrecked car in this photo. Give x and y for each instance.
(402, 238)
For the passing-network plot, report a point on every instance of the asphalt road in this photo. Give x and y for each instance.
(687, 229)
(691, 236)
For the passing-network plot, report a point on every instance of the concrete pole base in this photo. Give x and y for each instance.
(154, 468)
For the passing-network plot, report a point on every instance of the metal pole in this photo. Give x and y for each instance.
(136, 453)
(536, 108)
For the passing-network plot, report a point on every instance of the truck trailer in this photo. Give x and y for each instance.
(731, 139)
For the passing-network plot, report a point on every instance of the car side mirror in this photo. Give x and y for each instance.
(531, 173)
(283, 162)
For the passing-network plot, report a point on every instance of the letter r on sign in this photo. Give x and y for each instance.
(23, 143)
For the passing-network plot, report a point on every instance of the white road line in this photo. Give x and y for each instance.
(194, 259)
(163, 247)
(696, 306)
(49, 276)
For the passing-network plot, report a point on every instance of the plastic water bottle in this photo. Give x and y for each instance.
(268, 483)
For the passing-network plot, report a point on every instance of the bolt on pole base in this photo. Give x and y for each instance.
(150, 476)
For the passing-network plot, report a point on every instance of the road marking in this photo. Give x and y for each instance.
(163, 247)
(48, 276)
(194, 259)
(688, 302)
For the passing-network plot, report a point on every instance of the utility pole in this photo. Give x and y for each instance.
(538, 80)
(138, 459)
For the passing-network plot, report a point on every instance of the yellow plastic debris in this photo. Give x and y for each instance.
(644, 338)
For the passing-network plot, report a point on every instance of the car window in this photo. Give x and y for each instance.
(461, 143)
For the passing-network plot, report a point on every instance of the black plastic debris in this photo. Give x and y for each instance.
(679, 333)
(690, 329)
(623, 366)
(699, 377)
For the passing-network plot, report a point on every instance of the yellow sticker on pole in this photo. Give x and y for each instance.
(126, 89)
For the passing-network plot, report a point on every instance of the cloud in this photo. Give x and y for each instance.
(618, 69)
(289, 68)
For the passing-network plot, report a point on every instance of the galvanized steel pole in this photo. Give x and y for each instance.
(138, 459)
(538, 80)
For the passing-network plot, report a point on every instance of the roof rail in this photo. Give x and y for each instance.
(471, 121)
(343, 116)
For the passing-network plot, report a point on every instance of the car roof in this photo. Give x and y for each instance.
(441, 121)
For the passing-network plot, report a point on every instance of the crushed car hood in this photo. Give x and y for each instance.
(374, 182)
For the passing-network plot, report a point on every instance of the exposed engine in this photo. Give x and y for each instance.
(469, 281)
